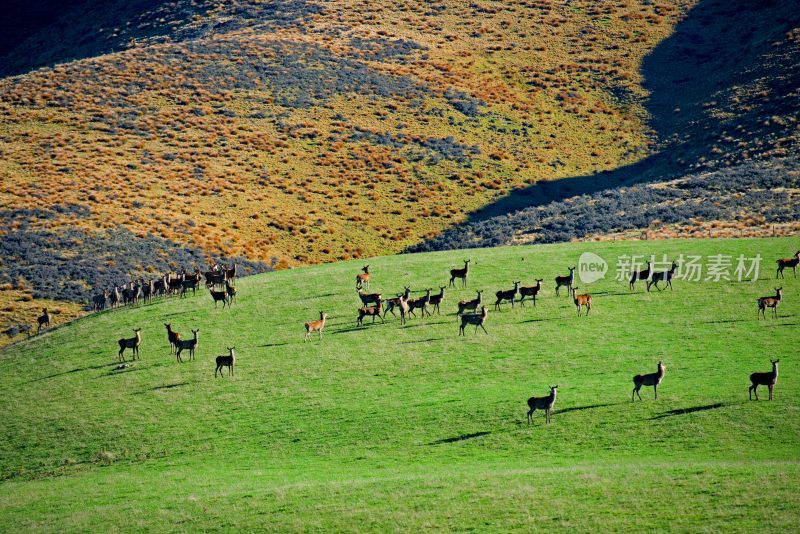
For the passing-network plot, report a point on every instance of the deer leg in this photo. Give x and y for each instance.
(770, 391)
(547, 414)
(755, 390)
(530, 415)
(655, 389)
(484, 330)
(588, 308)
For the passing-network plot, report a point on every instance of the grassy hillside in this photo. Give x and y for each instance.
(391, 427)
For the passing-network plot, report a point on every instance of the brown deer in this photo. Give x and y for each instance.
(582, 300)
(43, 320)
(508, 294)
(226, 361)
(420, 303)
(173, 337)
(652, 379)
(764, 379)
(404, 308)
(190, 282)
(770, 302)
(130, 343)
(391, 304)
(662, 276)
(565, 281)
(189, 344)
(478, 319)
(316, 326)
(370, 311)
(531, 291)
(368, 298)
(219, 296)
(640, 275)
(792, 262)
(363, 278)
(473, 304)
(230, 274)
(231, 291)
(542, 403)
(437, 299)
(460, 273)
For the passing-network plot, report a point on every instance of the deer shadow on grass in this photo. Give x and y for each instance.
(76, 370)
(161, 388)
(422, 340)
(693, 409)
(586, 407)
(462, 437)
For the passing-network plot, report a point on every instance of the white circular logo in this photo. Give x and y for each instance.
(591, 268)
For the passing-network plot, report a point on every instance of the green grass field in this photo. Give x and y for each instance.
(412, 428)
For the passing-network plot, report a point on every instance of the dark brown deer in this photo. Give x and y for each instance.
(478, 319)
(421, 304)
(764, 379)
(230, 289)
(508, 294)
(43, 320)
(582, 300)
(173, 337)
(770, 302)
(362, 280)
(316, 326)
(226, 361)
(788, 262)
(460, 273)
(542, 403)
(652, 379)
(473, 304)
(640, 275)
(662, 276)
(130, 343)
(368, 298)
(219, 296)
(190, 281)
(393, 303)
(230, 274)
(531, 291)
(437, 299)
(189, 344)
(370, 311)
(565, 281)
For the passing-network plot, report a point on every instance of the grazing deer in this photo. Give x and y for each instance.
(652, 379)
(542, 403)
(173, 337)
(391, 304)
(370, 311)
(437, 299)
(640, 275)
(764, 379)
(582, 300)
(565, 281)
(531, 291)
(220, 295)
(43, 320)
(130, 343)
(792, 262)
(368, 298)
(508, 294)
(662, 276)
(420, 303)
(478, 319)
(473, 304)
(770, 302)
(316, 326)
(363, 278)
(460, 273)
(190, 344)
(226, 361)
(231, 291)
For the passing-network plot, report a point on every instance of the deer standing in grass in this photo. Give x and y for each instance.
(437, 299)
(226, 361)
(531, 291)
(368, 298)
(404, 308)
(420, 303)
(316, 326)
(478, 319)
(370, 311)
(565, 281)
(652, 379)
(764, 379)
(391, 304)
(792, 262)
(231, 291)
(582, 300)
(662, 276)
(473, 304)
(460, 273)
(362, 280)
(220, 296)
(43, 320)
(507, 294)
(130, 343)
(173, 337)
(189, 344)
(640, 275)
(770, 302)
(542, 403)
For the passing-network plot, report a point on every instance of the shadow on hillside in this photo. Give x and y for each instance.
(684, 411)
(462, 437)
(587, 407)
(718, 45)
(76, 370)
